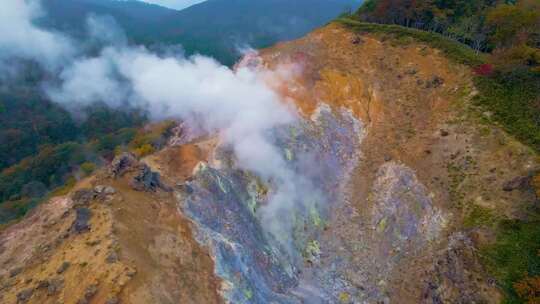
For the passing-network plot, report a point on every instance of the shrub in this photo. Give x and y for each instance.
(64, 189)
(144, 150)
(87, 168)
(483, 69)
(154, 134)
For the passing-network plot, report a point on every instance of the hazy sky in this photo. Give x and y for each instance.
(176, 4)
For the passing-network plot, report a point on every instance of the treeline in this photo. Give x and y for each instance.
(508, 29)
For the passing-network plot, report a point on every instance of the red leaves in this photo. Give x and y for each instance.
(483, 70)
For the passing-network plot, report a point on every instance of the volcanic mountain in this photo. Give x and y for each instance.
(403, 160)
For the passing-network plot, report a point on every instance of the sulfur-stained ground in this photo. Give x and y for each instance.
(402, 234)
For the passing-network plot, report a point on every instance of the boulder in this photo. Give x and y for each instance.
(121, 164)
(25, 295)
(528, 182)
(15, 271)
(90, 291)
(54, 286)
(80, 224)
(519, 182)
(42, 284)
(112, 257)
(434, 82)
(113, 300)
(109, 190)
(411, 71)
(147, 180)
(99, 189)
(63, 267)
(357, 40)
(83, 196)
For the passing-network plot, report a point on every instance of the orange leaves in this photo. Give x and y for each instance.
(528, 289)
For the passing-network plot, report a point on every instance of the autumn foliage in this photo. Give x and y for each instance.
(483, 69)
(510, 30)
(528, 289)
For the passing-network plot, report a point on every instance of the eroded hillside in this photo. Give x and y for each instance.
(425, 145)
(403, 166)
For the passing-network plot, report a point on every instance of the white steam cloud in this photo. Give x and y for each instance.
(21, 39)
(237, 103)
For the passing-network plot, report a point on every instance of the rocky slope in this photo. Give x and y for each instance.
(402, 161)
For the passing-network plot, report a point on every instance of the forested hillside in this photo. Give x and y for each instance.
(44, 148)
(246, 23)
(217, 28)
(140, 21)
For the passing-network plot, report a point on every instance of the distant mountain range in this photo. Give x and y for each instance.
(215, 27)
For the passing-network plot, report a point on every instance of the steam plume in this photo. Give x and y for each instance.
(239, 104)
(21, 39)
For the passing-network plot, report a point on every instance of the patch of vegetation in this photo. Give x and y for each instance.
(107, 144)
(144, 150)
(515, 258)
(344, 297)
(514, 101)
(64, 189)
(16, 209)
(87, 168)
(101, 120)
(479, 216)
(151, 138)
